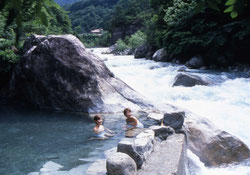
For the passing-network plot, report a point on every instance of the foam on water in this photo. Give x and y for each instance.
(226, 103)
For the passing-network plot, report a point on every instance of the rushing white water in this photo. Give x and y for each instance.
(226, 103)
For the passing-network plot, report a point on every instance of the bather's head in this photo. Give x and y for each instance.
(98, 120)
(127, 112)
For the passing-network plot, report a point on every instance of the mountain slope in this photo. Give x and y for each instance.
(91, 14)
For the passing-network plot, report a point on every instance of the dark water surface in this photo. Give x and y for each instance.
(29, 139)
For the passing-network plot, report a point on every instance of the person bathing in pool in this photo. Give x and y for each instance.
(100, 131)
(132, 122)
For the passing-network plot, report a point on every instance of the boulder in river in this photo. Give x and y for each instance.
(121, 164)
(160, 55)
(57, 73)
(213, 146)
(195, 63)
(187, 80)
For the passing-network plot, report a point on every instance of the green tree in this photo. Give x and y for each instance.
(136, 40)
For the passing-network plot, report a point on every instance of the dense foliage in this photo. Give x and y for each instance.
(19, 19)
(187, 32)
(90, 14)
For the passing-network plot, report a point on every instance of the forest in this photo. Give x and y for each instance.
(185, 28)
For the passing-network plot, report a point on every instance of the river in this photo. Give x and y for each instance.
(226, 103)
(29, 138)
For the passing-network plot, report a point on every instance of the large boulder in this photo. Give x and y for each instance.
(121, 164)
(213, 146)
(160, 55)
(195, 63)
(57, 73)
(168, 158)
(187, 80)
(139, 148)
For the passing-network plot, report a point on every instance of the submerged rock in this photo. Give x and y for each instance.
(139, 148)
(57, 73)
(213, 146)
(188, 80)
(168, 157)
(121, 164)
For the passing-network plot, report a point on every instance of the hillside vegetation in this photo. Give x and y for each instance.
(19, 20)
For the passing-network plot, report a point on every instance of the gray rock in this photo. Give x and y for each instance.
(195, 63)
(162, 132)
(121, 164)
(174, 120)
(168, 158)
(57, 73)
(142, 51)
(139, 148)
(160, 55)
(188, 80)
(213, 146)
